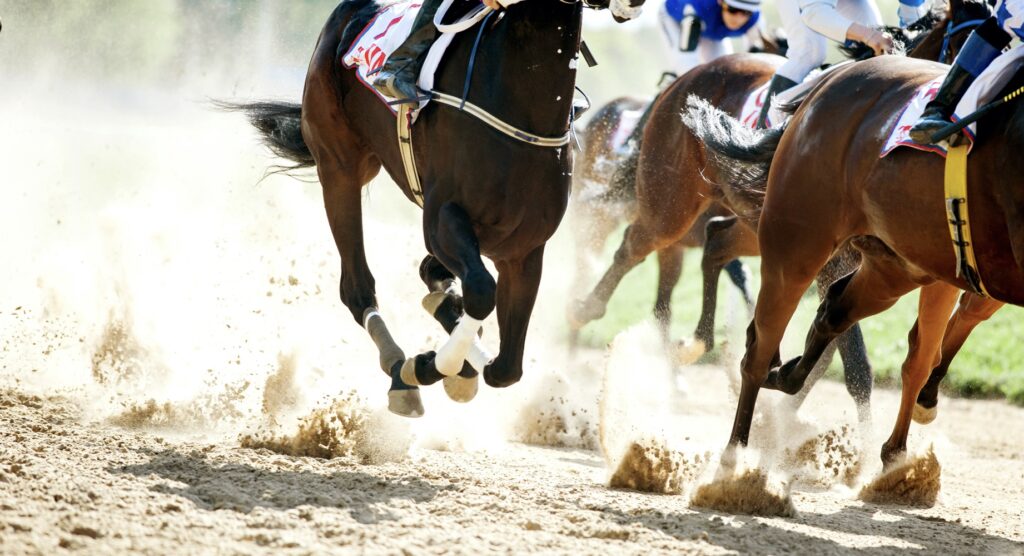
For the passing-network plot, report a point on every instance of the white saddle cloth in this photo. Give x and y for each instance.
(981, 92)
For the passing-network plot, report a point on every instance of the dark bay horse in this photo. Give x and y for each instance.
(485, 193)
(890, 209)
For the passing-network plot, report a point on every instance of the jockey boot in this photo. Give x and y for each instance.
(397, 78)
(984, 45)
(777, 85)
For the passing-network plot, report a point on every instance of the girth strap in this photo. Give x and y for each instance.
(500, 125)
(959, 225)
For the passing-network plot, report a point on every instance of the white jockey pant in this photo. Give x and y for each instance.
(807, 48)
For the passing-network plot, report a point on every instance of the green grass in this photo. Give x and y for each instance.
(991, 363)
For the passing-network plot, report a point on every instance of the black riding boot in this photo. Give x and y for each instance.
(778, 84)
(397, 78)
(983, 46)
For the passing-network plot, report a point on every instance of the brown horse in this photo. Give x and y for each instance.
(504, 203)
(604, 196)
(672, 192)
(732, 237)
(890, 209)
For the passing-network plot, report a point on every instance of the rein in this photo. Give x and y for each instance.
(952, 30)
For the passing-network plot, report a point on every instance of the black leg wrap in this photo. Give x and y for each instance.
(449, 312)
(426, 372)
(396, 378)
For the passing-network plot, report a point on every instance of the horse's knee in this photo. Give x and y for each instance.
(435, 275)
(478, 294)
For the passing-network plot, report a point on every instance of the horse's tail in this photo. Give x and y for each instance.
(622, 186)
(742, 156)
(280, 124)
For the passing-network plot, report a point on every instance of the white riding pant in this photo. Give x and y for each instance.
(807, 46)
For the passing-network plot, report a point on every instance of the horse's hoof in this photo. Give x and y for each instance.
(461, 389)
(689, 351)
(924, 415)
(406, 403)
(583, 311)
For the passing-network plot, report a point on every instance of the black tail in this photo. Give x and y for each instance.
(280, 123)
(741, 155)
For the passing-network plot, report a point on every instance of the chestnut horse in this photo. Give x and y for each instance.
(839, 193)
(732, 237)
(672, 192)
(604, 196)
(504, 203)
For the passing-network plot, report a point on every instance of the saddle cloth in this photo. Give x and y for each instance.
(756, 99)
(627, 124)
(984, 89)
(388, 29)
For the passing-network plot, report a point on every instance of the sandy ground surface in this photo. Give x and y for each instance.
(160, 310)
(69, 483)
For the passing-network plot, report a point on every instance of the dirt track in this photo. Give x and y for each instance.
(67, 482)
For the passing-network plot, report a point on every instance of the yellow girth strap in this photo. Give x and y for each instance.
(959, 223)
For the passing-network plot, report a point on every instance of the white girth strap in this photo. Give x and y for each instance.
(504, 127)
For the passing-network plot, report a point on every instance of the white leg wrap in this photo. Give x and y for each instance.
(453, 353)
(478, 356)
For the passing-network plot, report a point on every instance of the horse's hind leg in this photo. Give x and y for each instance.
(726, 238)
(518, 282)
(856, 367)
(344, 213)
(933, 311)
(973, 310)
(874, 287)
(670, 268)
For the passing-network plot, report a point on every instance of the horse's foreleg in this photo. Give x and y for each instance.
(455, 245)
(518, 282)
(445, 305)
(725, 240)
(934, 307)
(973, 310)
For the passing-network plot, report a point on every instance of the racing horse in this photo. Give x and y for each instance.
(933, 37)
(672, 192)
(504, 205)
(604, 195)
(891, 209)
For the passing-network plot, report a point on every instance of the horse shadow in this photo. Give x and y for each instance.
(891, 529)
(279, 484)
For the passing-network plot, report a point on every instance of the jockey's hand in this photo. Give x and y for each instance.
(873, 38)
(492, 4)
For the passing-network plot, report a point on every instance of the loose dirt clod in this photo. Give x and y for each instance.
(830, 457)
(747, 492)
(650, 466)
(914, 481)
